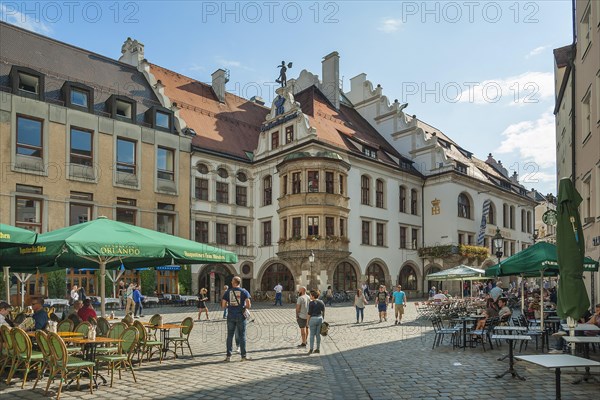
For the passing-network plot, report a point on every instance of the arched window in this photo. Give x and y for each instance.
(402, 199)
(505, 217)
(491, 217)
(277, 273)
(408, 278)
(414, 202)
(430, 284)
(523, 220)
(464, 206)
(379, 193)
(365, 182)
(512, 217)
(242, 177)
(375, 276)
(202, 168)
(267, 190)
(344, 277)
(528, 221)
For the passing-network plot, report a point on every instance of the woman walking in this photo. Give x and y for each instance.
(316, 313)
(359, 302)
(137, 300)
(202, 303)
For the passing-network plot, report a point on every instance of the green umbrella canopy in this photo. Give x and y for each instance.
(573, 300)
(11, 236)
(114, 243)
(542, 256)
(462, 272)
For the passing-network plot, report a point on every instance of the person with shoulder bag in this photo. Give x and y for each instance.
(316, 313)
(237, 301)
(360, 301)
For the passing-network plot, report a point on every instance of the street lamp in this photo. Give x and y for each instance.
(498, 241)
(311, 259)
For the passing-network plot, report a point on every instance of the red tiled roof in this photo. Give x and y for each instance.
(232, 127)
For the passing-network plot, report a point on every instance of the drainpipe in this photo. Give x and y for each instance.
(573, 100)
(423, 236)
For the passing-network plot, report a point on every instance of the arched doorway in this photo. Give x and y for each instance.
(277, 273)
(344, 277)
(375, 277)
(436, 284)
(222, 276)
(408, 278)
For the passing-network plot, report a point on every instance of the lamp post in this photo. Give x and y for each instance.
(311, 259)
(498, 241)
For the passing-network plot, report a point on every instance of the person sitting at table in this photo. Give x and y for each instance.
(491, 308)
(40, 316)
(504, 313)
(87, 311)
(594, 320)
(481, 323)
(497, 291)
(440, 296)
(5, 309)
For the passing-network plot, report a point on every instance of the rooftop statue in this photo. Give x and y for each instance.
(282, 77)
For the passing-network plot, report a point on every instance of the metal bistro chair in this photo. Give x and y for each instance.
(483, 335)
(115, 332)
(125, 354)
(24, 356)
(184, 335)
(155, 320)
(102, 326)
(41, 338)
(67, 366)
(441, 331)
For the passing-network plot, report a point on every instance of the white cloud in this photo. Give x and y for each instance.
(527, 88)
(536, 51)
(223, 62)
(389, 25)
(32, 22)
(196, 68)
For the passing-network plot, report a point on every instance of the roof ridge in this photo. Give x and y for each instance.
(59, 42)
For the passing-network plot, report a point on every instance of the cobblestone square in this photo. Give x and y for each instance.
(370, 360)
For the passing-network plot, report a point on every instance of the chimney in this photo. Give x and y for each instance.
(219, 78)
(515, 177)
(331, 78)
(132, 52)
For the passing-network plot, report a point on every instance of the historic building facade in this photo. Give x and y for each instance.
(82, 135)
(577, 112)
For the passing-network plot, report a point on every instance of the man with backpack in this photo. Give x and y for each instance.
(381, 302)
(236, 300)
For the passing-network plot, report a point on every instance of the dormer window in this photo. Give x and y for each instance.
(163, 120)
(461, 168)
(27, 82)
(121, 107)
(78, 96)
(369, 152)
(160, 118)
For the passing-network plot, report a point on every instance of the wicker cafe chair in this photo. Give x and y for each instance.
(184, 336)
(66, 365)
(8, 353)
(145, 344)
(155, 320)
(115, 332)
(102, 326)
(25, 359)
(66, 325)
(125, 354)
(41, 337)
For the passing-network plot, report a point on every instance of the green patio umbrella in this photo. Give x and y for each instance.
(11, 236)
(573, 300)
(459, 273)
(104, 243)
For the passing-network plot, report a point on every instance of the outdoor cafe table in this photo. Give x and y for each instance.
(559, 361)
(55, 302)
(61, 334)
(511, 362)
(464, 328)
(585, 340)
(580, 327)
(510, 329)
(89, 351)
(164, 335)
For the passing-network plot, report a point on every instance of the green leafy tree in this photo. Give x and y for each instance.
(185, 280)
(2, 286)
(148, 282)
(57, 284)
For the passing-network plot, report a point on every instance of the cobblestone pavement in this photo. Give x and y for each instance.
(370, 360)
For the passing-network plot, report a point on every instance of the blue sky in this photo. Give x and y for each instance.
(480, 71)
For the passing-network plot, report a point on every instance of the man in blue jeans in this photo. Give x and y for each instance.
(236, 299)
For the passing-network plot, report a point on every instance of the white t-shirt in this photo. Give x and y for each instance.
(74, 295)
(278, 289)
(303, 303)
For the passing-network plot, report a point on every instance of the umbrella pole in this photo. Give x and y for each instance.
(102, 288)
(542, 306)
(7, 283)
(522, 295)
